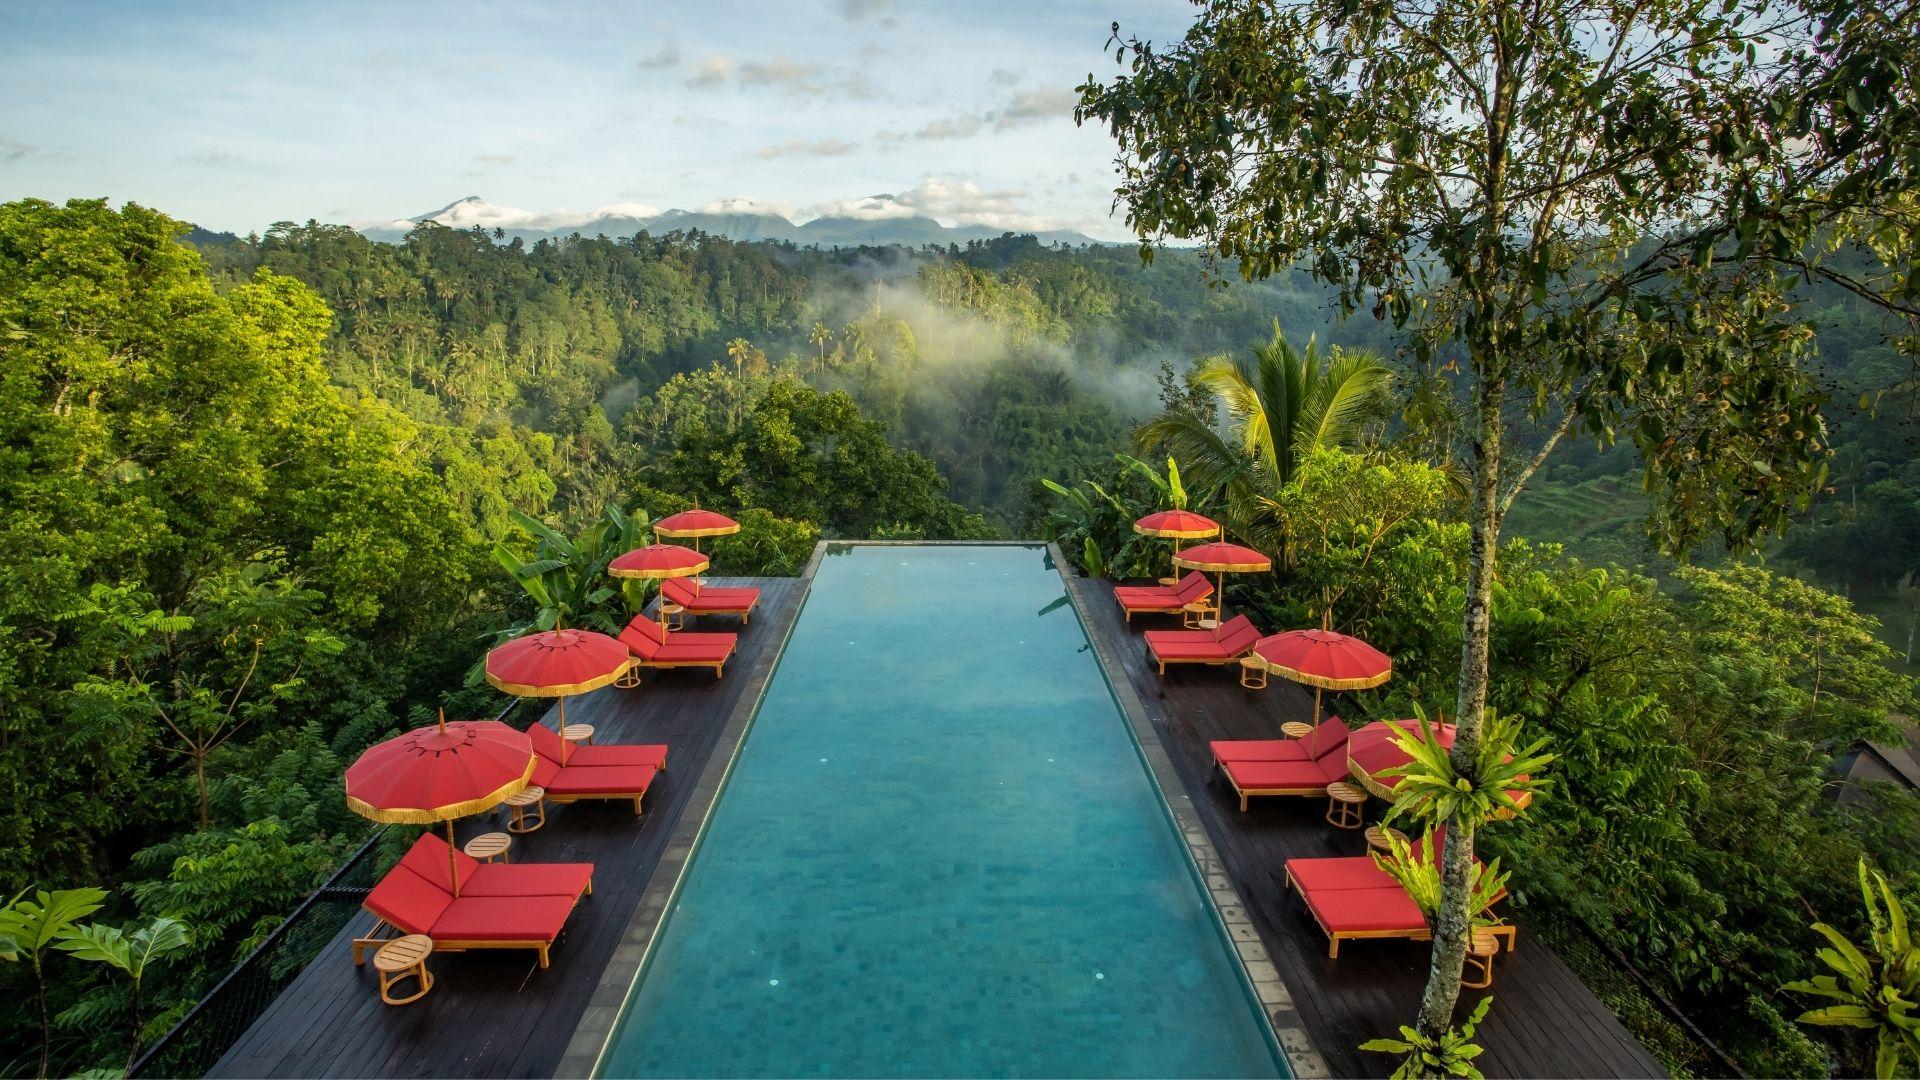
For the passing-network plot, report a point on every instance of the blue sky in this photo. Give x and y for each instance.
(238, 115)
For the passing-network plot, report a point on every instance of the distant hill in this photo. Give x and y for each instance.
(736, 222)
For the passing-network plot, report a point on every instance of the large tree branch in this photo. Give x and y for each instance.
(1539, 458)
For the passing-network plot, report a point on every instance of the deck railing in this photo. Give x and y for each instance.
(218, 1020)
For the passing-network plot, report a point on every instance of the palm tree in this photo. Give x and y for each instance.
(738, 350)
(1282, 404)
(820, 336)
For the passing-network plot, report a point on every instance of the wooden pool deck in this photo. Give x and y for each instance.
(497, 1013)
(1544, 1021)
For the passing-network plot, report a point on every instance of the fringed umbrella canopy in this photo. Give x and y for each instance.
(657, 561)
(1177, 525)
(555, 663)
(1324, 659)
(693, 524)
(440, 773)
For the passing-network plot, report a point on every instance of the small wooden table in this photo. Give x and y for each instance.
(400, 959)
(1294, 729)
(1200, 615)
(581, 733)
(673, 616)
(1377, 837)
(1481, 947)
(1253, 674)
(1344, 802)
(531, 797)
(488, 846)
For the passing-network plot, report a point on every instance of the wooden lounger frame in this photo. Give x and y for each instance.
(1508, 931)
(1209, 661)
(632, 678)
(378, 935)
(1249, 793)
(636, 796)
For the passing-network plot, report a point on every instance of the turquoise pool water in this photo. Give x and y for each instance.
(940, 854)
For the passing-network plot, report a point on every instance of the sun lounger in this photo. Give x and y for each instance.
(500, 905)
(1260, 767)
(1353, 898)
(1162, 599)
(697, 599)
(653, 646)
(1222, 645)
(1305, 748)
(603, 778)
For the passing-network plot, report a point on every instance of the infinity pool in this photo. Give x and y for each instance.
(939, 853)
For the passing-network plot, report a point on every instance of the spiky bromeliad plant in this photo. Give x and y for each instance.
(1451, 1054)
(1435, 789)
(1877, 988)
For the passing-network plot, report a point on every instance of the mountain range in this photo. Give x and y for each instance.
(735, 219)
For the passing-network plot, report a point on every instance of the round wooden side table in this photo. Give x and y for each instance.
(1344, 805)
(1294, 729)
(400, 959)
(1200, 615)
(673, 616)
(530, 798)
(488, 846)
(580, 733)
(1481, 947)
(1253, 672)
(1377, 837)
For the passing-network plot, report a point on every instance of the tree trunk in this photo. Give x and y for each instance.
(200, 780)
(133, 1052)
(46, 1025)
(1452, 925)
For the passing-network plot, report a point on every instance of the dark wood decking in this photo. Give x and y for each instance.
(1544, 1021)
(495, 1013)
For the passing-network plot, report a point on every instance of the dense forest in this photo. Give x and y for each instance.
(254, 487)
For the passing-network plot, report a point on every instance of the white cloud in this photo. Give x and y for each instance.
(856, 10)
(780, 73)
(13, 151)
(949, 200)
(1037, 106)
(803, 147)
(495, 159)
(475, 211)
(667, 56)
(741, 204)
(709, 71)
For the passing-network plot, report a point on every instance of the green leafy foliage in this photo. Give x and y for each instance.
(1451, 1054)
(1878, 988)
(567, 578)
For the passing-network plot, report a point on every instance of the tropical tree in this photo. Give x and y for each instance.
(819, 336)
(1878, 988)
(1585, 213)
(29, 926)
(129, 951)
(1282, 404)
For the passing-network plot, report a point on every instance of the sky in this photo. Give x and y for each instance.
(236, 115)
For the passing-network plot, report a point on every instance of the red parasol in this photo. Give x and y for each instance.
(1323, 660)
(1223, 558)
(1372, 750)
(440, 773)
(555, 663)
(1177, 525)
(694, 524)
(657, 562)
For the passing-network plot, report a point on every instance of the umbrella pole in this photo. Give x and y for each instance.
(453, 868)
(565, 747)
(1316, 706)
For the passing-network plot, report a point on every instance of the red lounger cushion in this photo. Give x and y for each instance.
(1258, 750)
(547, 744)
(691, 640)
(1146, 596)
(1181, 637)
(1351, 911)
(1331, 875)
(528, 879)
(408, 900)
(649, 754)
(1270, 775)
(503, 918)
(726, 599)
(1184, 650)
(599, 780)
(676, 653)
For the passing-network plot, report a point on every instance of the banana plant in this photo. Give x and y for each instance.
(29, 926)
(1419, 874)
(130, 952)
(1877, 988)
(567, 578)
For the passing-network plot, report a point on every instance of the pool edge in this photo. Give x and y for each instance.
(593, 1035)
(1262, 977)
